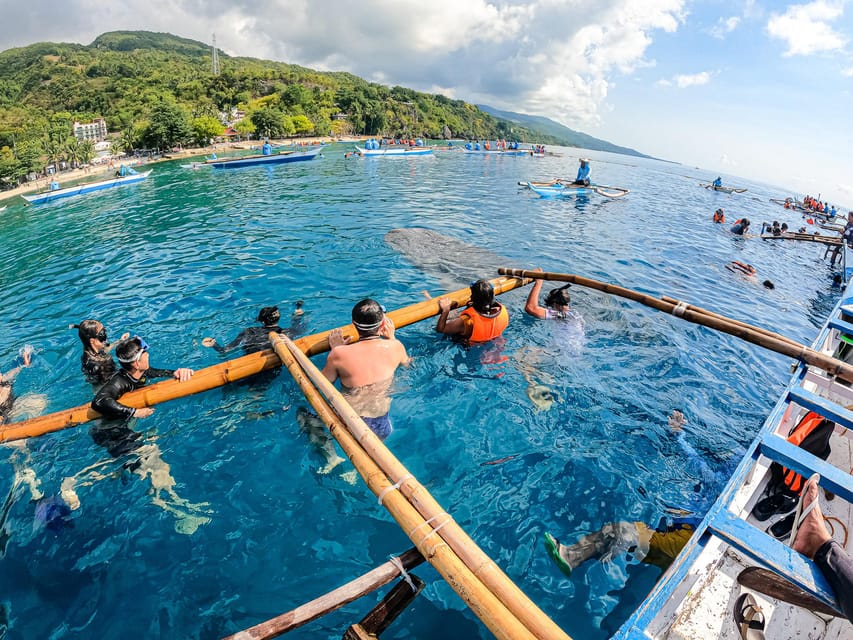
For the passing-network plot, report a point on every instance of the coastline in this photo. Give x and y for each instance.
(99, 172)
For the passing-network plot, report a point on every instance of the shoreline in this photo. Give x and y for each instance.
(101, 172)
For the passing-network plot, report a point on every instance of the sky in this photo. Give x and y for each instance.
(753, 89)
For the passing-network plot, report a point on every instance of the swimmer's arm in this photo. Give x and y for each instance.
(330, 369)
(114, 344)
(105, 403)
(532, 307)
(449, 327)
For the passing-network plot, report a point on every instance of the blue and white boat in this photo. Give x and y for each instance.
(255, 160)
(498, 152)
(565, 189)
(731, 553)
(88, 187)
(395, 150)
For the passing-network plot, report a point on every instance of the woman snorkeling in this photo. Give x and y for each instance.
(96, 362)
(556, 302)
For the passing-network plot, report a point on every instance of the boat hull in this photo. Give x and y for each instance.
(253, 161)
(381, 153)
(50, 196)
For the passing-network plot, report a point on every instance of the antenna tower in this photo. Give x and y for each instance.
(215, 68)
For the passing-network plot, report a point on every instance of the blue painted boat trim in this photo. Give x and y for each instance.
(826, 408)
(381, 153)
(252, 161)
(50, 196)
(791, 456)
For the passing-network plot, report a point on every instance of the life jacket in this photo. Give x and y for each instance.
(719, 217)
(486, 328)
(812, 434)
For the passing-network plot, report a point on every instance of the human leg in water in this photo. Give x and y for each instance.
(189, 516)
(612, 538)
(315, 429)
(539, 383)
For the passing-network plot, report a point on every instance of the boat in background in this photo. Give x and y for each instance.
(255, 160)
(498, 152)
(561, 188)
(722, 189)
(732, 553)
(393, 151)
(88, 187)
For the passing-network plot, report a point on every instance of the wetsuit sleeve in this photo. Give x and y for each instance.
(106, 400)
(160, 373)
(236, 342)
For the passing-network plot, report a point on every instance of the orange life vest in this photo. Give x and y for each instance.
(719, 217)
(807, 425)
(486, 328)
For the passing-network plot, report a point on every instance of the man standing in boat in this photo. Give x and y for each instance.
(366, 368)
(266, 149)
(583, 172)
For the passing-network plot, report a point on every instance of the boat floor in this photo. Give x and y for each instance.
(707, 609)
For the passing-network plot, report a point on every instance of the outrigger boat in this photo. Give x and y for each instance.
(722, 189)
(499, 152)
(393, 151)
(564, 188)
(254, 160)
(88, 187)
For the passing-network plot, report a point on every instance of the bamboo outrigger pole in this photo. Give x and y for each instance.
(806, 237)
(424, 533)
(230, 371)
(755, 335)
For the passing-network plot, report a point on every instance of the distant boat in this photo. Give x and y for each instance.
(722, 189)
(394, 151)
(499, 152)
(88, 187)
(3, 208)
(251, 161)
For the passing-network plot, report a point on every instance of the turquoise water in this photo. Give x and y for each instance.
(188, 254)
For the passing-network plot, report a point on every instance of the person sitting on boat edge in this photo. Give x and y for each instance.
(96, 362)
(134, 374)
(583, 172)
(812, 539)
(483, 320)
(54, 185)
(717, 183)
(254, 339)
(366, 368)
(740, 227)
(719, 216)
(556, 302)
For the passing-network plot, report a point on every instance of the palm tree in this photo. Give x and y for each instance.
(87, 151)
(72, 151)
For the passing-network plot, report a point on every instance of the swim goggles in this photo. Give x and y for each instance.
(101, 335)
(143, 347)
(374, 325)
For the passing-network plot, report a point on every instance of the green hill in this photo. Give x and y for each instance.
(568, 137)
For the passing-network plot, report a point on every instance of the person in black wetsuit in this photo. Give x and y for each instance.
(96, 362)
(254, 339)
(116, 436)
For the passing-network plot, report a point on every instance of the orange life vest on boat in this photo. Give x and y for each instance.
(485, 328)
(820, 429)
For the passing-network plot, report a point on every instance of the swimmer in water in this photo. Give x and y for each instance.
(254, 339)
(96, 362)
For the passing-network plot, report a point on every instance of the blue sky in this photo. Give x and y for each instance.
(755, 89)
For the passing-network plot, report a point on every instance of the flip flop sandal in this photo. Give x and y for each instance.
(749, 617)
(800, 514)
(552, 546)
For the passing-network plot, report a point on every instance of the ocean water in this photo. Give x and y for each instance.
(252, 530)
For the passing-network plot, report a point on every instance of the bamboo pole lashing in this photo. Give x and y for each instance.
(335, 599)
(485, 605)
(237, 369)
(480, 563)
(790, 348)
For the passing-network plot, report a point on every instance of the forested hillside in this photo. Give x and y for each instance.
(156, 90)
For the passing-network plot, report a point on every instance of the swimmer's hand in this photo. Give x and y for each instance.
(446, 304)
(183, 374)
(676, 421)
(208, 342)
(387, 328)
(143, 412)
(124, 336)
(337, 338)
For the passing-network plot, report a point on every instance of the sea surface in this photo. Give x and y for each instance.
(251, 529)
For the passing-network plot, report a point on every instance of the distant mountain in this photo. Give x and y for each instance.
(568, 137)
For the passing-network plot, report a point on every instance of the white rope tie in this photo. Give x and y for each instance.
(431, 531)
(679, 309)
(393, 487)
(395, 560)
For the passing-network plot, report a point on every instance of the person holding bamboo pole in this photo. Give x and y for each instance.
(483, 320)
(366, 368)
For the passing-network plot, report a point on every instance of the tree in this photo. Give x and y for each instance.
(302, 125)
(341, 128)
(206, 128)
(168, 126)
(245, 127)
(271, 123)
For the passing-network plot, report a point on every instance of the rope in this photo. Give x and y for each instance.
(432, 531)
(828, 520)
(393, 487)
(679, 309)
(395, 560)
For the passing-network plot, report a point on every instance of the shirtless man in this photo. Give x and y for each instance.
(366, 368)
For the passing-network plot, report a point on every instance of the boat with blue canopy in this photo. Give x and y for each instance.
(260, 159)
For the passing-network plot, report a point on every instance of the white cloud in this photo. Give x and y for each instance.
(724, 26)
(683, 81)
(848, 72)
(806, 27)
(553, 57)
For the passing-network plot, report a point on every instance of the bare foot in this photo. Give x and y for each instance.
(812, 533)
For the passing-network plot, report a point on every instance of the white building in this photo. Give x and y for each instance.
(94, 131)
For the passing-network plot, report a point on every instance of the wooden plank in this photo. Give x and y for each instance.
(391, 606)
